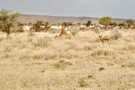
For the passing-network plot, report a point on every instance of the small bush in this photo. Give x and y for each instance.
(130, 64)
(31, 33)
(24, 57)
(62, 64)
(7, 49)
(103, 52)
(115, 35)
(74, 30)
(88, 48)
(82, 83)
(90, 76)
(7, 55)
(131, 46)
(44, 55)
(101, 68)
(41, 42)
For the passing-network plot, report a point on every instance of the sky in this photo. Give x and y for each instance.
(88, 8)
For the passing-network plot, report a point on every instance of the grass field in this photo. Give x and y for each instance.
(82, 62)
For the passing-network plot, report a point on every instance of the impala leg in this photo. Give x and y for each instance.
(103, 42)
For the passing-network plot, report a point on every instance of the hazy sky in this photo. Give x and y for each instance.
(89, 8)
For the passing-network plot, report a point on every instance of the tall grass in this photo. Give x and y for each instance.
(42, 62)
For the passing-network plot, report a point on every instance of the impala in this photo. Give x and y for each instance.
(103, 39)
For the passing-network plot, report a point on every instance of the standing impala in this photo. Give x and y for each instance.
(103, 39)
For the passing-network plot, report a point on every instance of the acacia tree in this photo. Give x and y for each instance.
(88, 23)
(19, 27)
(129, 22)
(113, 24)
(46, 24)
(29, 24)
(67, 24)
(7, 20)
(78, 23)
(37, 25)
(105, 20)
(121, 25)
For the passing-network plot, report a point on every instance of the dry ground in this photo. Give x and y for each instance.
(42, 62)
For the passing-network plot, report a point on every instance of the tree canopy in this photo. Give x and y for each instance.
(88, 23)
(37, 25)
(105, 20)
(129, 22)
(7, 20)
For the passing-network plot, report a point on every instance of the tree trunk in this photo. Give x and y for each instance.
(8, 34)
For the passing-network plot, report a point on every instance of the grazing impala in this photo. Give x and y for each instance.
(103, 39)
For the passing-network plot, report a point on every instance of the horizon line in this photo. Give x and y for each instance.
(73, 16)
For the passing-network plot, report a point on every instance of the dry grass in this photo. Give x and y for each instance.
(42, 62)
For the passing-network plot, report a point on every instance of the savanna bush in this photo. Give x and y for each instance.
(129, 63)
(103, 52)
(62, 64)
(115, 35)
(131, 46)
(7, 55)
(42, 42)
(82, 83)
(74, 30)
(44, 55)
